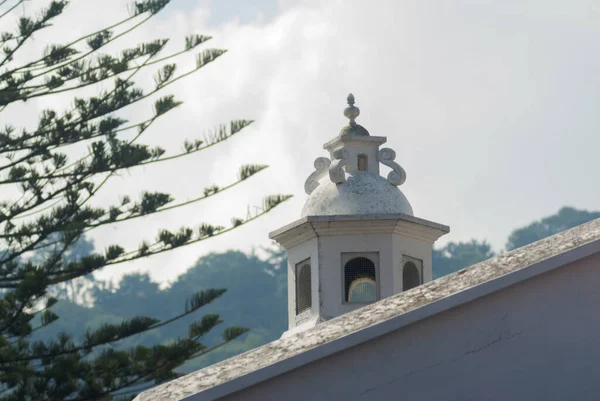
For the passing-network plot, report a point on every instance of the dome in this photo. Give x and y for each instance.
(354, 129)
(361, 193)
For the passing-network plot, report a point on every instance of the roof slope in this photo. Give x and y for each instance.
(381, 317)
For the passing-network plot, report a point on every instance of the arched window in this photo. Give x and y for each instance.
(360, 281)
(362, 162)
(303, 287)
(410, 276)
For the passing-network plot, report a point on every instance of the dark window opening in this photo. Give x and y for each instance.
(410, 276)
(303, 287)
(360, 283)
(362, 162)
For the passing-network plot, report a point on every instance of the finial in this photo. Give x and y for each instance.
(350, 99)
(351, 112)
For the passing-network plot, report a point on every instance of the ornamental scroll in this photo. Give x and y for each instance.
(312, 182)
(397, 176)
(336, 170)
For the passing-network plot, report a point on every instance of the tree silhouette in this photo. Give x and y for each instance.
(458, 255)
(567, 217)
(52, 210)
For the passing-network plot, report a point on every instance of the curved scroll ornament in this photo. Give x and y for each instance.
(312, 182)
(336, 170)
(397, 176)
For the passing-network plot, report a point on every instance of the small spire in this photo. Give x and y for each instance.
(351, 112)
(350, 99)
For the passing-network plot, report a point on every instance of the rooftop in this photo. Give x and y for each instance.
(381, 317)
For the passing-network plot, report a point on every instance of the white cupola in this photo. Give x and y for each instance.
(357, 241)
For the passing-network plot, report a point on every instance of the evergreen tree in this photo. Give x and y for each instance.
(52, 211)
(458, 255)
(567, 217)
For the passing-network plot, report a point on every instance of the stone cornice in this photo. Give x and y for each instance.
(314, 226)
(353, 139)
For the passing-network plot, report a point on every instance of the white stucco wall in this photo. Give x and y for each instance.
(332, 278)
(327, 269)
(418, 249)
(297, 254)
(536, 340)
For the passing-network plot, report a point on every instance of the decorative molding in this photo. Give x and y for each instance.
(321, 166)
(397, 176)
(374, 220)
(308, 230)
(295, 236)
(353, 140)
(336, 169)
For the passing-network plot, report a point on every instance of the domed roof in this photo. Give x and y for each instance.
(361, 193)
(354, 130)
(348, 183)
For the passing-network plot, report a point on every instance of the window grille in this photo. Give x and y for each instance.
(360, 282)
(410, 276)
(362, 162)
(303, 287)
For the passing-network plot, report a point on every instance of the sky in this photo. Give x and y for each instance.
(491, 107)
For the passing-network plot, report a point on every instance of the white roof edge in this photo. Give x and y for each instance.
(360, 217)
(382, 317)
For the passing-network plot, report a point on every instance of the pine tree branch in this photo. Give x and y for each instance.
(196, 355)
(28, 206)
(204, 58)
(17, 4)
(143, 376)
(89, 227)
(214, 347)
(40, 150)
(55, 9)
(176, 363)
(91, 193)
(45, 308)
(116, 168)
(92, 69)
(43, 237)
(63, 275)
(53, 204)
(119, 84)
(66, 188)
(74, 42)
(4, 218)
(207, 297)
(83, 56)
(216, 54)
(69, 45)
(30, 293)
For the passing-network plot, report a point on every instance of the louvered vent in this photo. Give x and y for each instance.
(303, 287)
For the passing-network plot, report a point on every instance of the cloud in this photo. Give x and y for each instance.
(491, 108)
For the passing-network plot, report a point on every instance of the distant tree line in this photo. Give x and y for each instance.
(457, 255)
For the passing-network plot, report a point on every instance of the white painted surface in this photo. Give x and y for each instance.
(347, 191)
(297, 254)
(535, 340)
(356, 145)
(362, 193)
(325, 241)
